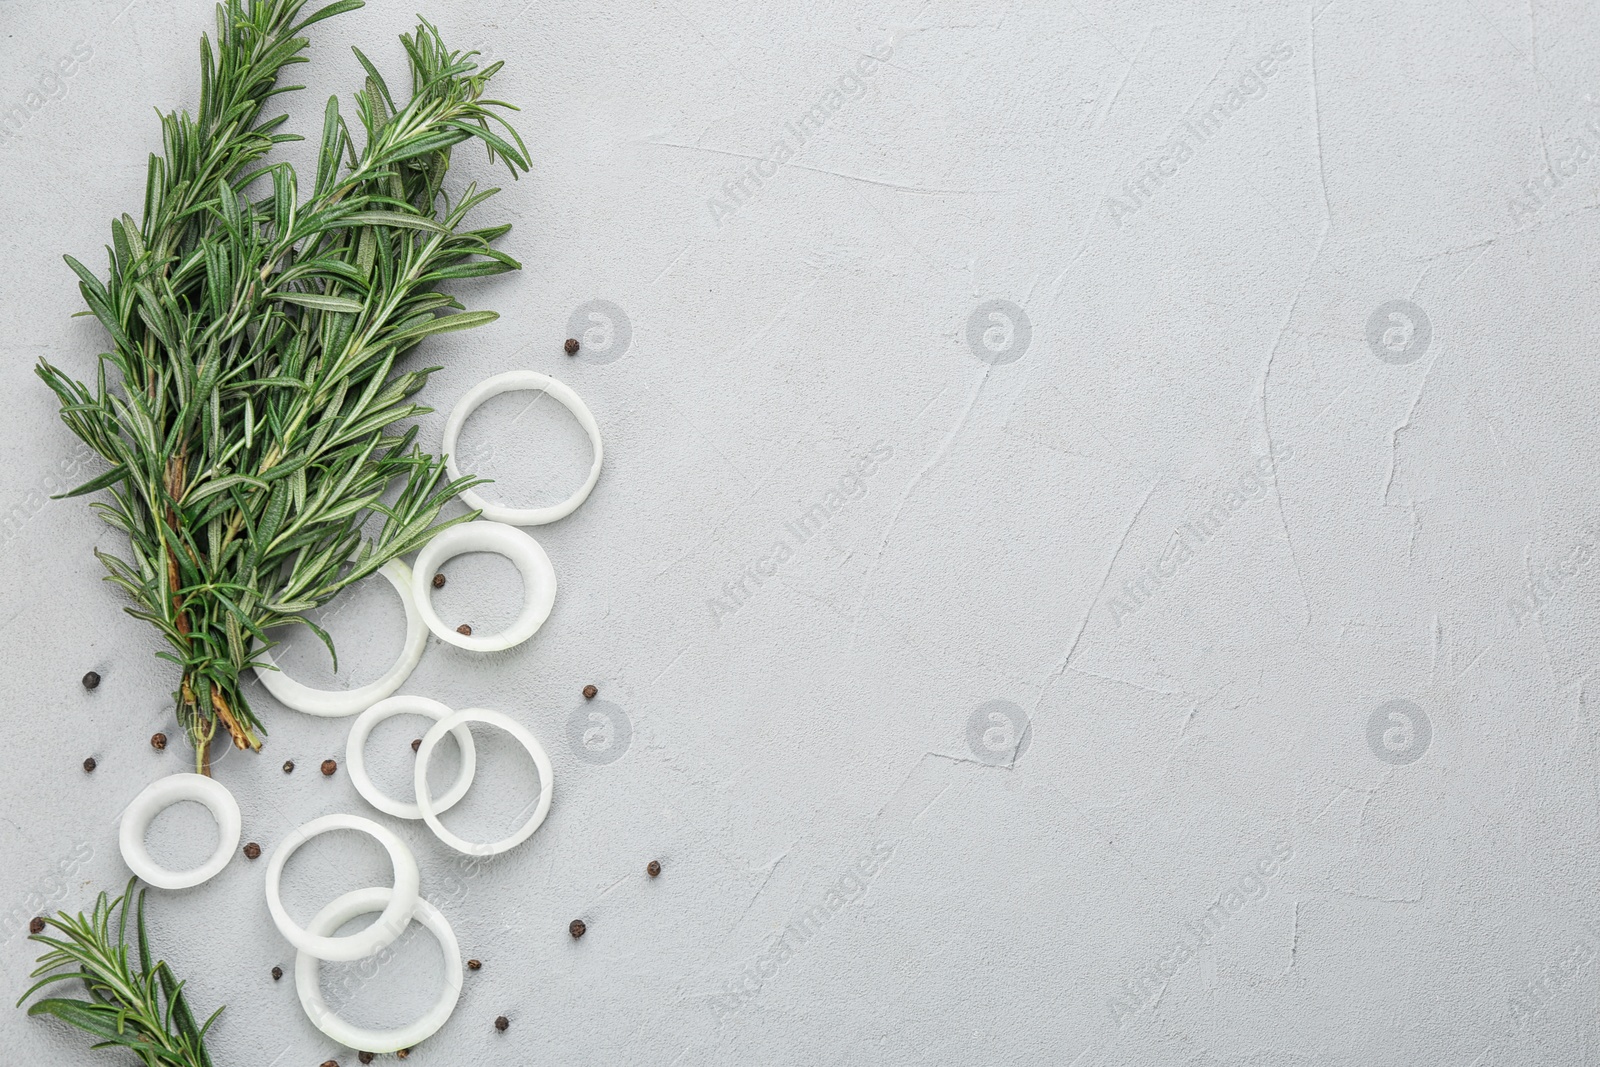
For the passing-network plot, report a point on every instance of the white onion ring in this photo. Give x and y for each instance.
(538, 581)
(355, 760)
(308, 983)
(513, 381)
(384, 929)
(162, 794)
(515, 729)
(332, 703)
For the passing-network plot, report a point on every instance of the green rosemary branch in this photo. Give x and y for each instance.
(140, 1008)
(248, 406)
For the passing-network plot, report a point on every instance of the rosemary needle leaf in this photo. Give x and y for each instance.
(138, 1004)
(249, 405)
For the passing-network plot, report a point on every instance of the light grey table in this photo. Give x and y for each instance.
(1096, 560)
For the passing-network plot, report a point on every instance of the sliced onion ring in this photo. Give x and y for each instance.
(332, 703)
(384, 929)
(538, 581)
(430, 812)
(514, 381)
(157, 797)
(308, 983)
(356, 760)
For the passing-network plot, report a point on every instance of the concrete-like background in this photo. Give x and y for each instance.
(1071, 729)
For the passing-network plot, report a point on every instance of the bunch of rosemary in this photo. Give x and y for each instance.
(140, 1008)
(247, 407)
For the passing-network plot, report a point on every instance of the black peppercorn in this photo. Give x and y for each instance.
(329, 766)
(501, 1023)
(571, 346)
(576, 928)
(91, 680)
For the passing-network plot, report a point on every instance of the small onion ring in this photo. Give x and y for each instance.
(162, 794)
(538, 581)
(528, 741)
(384, 929)
(355, 759)
(332, 703)
(307, 979)
(513, 381)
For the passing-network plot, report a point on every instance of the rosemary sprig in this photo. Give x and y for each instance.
(247, 406)
(140, 1008)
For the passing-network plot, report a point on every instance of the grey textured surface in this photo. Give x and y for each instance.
(1067, 734)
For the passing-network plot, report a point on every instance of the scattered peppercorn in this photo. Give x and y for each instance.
(501, 1023)
(403, 1054)
(473, 965)
(252, 851)
(277, 973)
(35, 926)
(89, 765)
(438, 581)
(416, 743)
(158, 741)
(91, 680)
(464, 630)
(288, 766)
(329, 766)
(576, 928)
(330, 1063)
(654, 868)
(571, 346)
(365, 1057)
(590, 692)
